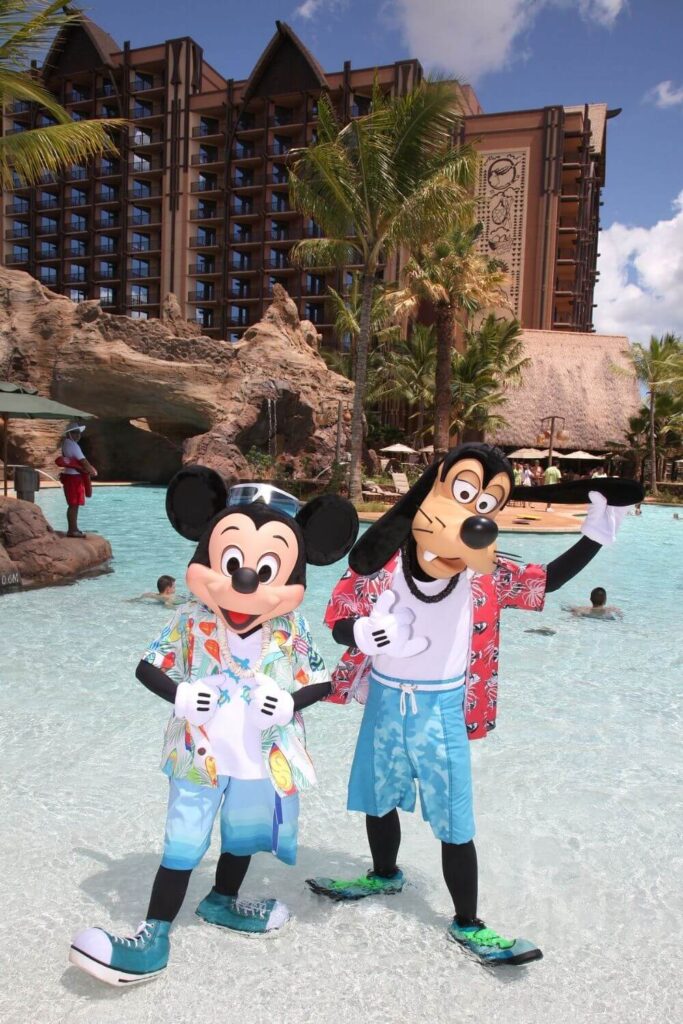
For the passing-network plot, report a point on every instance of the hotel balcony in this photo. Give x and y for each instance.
(153, 272)
(146, 166)
(207, 215)
(206, 186)
(206, 159)
(19, 209)
(155, 111)
(201, 243)
(244, 210)
(154, 192)
(14, 259)
(198, 270)
(203, 131)
(151, 84)
(140, 140)
(153, 219)
(202, 299)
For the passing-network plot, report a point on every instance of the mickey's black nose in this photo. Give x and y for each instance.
(478, 532)
(245, 581)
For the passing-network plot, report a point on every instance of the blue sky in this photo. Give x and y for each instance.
(517, 54)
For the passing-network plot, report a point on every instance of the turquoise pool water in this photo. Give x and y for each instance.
(577, 791)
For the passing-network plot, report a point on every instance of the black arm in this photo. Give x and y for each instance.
(566, 566)
(156, 681)
(342, 631)
(308, 695)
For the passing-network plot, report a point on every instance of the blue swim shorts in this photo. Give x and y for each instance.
(422, 740)
(254, 819)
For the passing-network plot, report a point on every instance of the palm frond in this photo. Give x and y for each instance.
(32, 153)
(27, 28)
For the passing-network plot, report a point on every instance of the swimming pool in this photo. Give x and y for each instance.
(578, 797)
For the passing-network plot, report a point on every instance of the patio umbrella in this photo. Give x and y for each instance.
(397, 449)
(582, 456)
(528, 453)
(22, 402)
(427, 450)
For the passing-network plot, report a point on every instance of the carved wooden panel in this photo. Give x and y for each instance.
(501, 206)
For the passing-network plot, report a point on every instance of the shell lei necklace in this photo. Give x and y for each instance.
(227, 660)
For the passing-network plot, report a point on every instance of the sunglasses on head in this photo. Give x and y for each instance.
(247, 494)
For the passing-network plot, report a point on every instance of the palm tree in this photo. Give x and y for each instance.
(458, 282)
(26, 28)
(493, 360)
(346, 311)
(410, 374)
(659, 369)
(388, 179)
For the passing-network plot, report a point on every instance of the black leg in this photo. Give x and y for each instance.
(230, 872)
(384, 836)
(459, 861)
(168, 893)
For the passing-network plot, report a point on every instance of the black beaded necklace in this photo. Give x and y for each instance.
(408, 569)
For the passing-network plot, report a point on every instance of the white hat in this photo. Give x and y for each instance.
(73, 427)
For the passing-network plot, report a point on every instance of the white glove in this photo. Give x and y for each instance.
(603, 520)
(387, 632)
(196, 701)
(269, 704)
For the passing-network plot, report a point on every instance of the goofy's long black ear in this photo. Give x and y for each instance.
(194, 496)
(330, 527)
(575, 492)
(385, 537)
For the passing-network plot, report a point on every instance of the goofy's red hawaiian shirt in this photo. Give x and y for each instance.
(508, 586)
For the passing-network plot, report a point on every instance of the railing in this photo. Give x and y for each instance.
(279, 150)
(244, 153)
(14, 258)
(76, 174)
(145, 166)
(283, 120)
(17, 208)
(198, 268)
(146, 138)
(19, 107)
(77, 97)
(151, 299)
(206, 214)
(198, 159)
(276, 207)
(203, 243)
(242, 209)
(279, 179)
(143, 218)
(140, 85)
(70, 226)
(48, 254)
(105, 250)
(76, 200)
(150, 246)
(277, 264)
(140, 113)
(236, 321)
(144, 193)
(102, 222)
(205, 186)
(252, 182)
(107, 197)
(75, 278)
(151, 271)
(203, 131)
(201, 297)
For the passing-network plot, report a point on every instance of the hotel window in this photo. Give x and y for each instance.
(77, 272)
(46, 225)
(139, 294)
(239, 315)
(234, 336)
(241, 232)
(107, 88)
(208, 126)
(106, 243)
(107, 295)
(142, 82)
(205, 290)
(348, 280)
(314, 312)
(141, 189)
(205, 264)
(281, 145)
(278, 202)
(19, 254)
(312, 229)
(47, 275)
(138, 314)
(78, 222)
(206, 236)
(360, 106)
(142, 137)
(76, 247)
(21, 230)
(142, 109)
(207, 182)
(208, 154)
(106, 269)
(277, 258)
(78, 115)
(244, 150)
(241, 260)
(141, 163)
(239, 288)
(278, 231)
(108, 193)
(244, 204)
(141, 215)
(140, 268)
(78, 173)
(246, 123)
(46, 201)
(315, 284)
(272, 281)
(108, 166)
(78, 197)
(48, 250)
(77, 294)
(17, 127)
(141, 243)
(283, 115)
(108, 218)
(206, 208)
(244, 176)
(109, 110)
(346, 341)
(204, 316)
(45, 121)
(77, 94)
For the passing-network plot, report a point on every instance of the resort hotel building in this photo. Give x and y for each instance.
(196, 202)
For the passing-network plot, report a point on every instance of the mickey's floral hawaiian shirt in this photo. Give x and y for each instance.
(508, 586)
(187, 649)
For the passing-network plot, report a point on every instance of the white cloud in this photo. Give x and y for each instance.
(474, 38)
(309, 9)
(665, 94)
(640, 288)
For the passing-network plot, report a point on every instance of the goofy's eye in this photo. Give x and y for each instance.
(232, 559)
(267, 568)
(486, 503)
(464, 491)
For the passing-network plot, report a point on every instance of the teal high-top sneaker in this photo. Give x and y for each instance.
(122, 960)
(251, 916)
(357, 888)
(492, 948)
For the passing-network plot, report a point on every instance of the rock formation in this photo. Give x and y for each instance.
(33, 554)
(165, 395)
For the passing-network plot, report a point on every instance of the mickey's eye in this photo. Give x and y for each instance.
(267, 567)
(232, 559)
(486, 503)
(464, 491)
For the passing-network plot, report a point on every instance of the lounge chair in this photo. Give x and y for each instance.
(400, 483)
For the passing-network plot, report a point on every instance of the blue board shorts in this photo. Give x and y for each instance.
(424, 740)
(254, 819)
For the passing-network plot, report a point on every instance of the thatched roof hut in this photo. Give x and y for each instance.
(572, 375)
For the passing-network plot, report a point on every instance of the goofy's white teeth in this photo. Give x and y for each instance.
(429, 556)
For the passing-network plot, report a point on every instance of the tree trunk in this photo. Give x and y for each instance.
(445, 333)
(362, 349)
(653, 446)
(419, 433)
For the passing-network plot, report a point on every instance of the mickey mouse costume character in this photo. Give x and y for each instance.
(238, 663)
(419, 611)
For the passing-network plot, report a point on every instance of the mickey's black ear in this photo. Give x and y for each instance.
(194, 496)
(330, 527)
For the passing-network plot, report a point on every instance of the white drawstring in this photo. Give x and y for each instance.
(408, 688)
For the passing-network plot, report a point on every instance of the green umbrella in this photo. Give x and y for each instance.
(22, 402)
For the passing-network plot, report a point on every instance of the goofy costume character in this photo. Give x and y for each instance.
(419, 610)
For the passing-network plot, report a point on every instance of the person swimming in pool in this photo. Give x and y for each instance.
(166, 593)
(599, 609)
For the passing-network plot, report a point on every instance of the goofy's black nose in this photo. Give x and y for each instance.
(245, 581)
(478, 532)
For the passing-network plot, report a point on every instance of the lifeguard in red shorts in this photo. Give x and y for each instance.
(75, 476)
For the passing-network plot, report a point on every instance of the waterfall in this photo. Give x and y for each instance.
(272, 427)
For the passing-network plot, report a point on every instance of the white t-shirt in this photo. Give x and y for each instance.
(235, 740)
(71, 450)
(447, 624)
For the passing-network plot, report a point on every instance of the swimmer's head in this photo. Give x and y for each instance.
(598, 597)
(166, 585)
